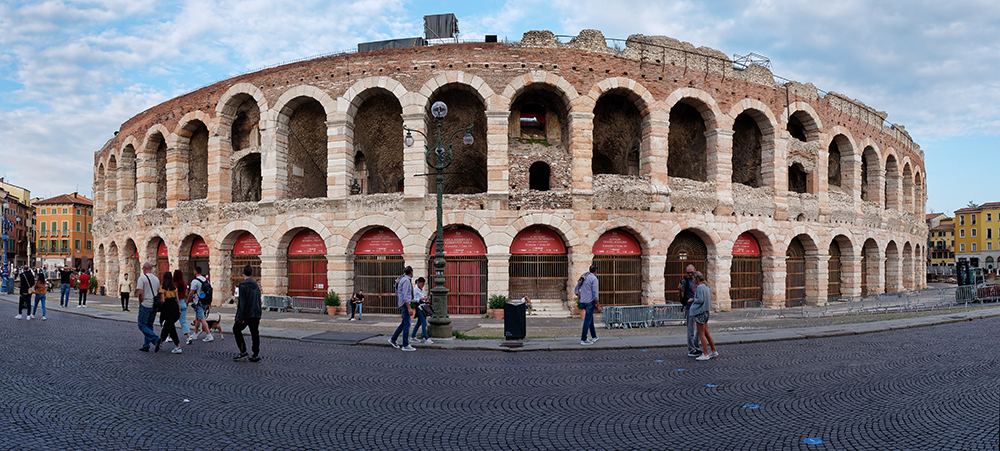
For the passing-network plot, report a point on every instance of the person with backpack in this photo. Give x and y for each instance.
(200, 296)
(147, 288)
(27, 286)
(248, 315)
(40, 289)
(404, 296)
(586, 289)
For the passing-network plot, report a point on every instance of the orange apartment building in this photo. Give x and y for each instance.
(65, 231)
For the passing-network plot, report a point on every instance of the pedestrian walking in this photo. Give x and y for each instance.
(404, 296)
(40, 289)
(27, 280)
(421, 299)
(687, 287)
(196, 299)
(182, 304)
(248, 315)
(586, 289)
(700, 308)
(125, 288)
(357, 302)
(64, 279)
(146, 289)
(84, 286)
(169, 313)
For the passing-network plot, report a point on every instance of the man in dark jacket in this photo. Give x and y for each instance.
(248, 315)
(27, 282)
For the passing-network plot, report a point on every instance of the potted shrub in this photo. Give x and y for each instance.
(494, 308)
(332, 301)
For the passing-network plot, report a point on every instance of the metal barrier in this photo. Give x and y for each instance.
(633, 316)
(278, 303)
(308, 303)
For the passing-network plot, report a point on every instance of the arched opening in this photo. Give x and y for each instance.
(465, 270)
(245, 131)
(378, 131)
(130, 255)
(869, 175)
(891, 183)
(162, 257)
(539, 266)
(795, 274)
(798, 179)
(747, 144)
(833, 164)
(99, 189)
(918, 194)
(989, 264)
(159, 148)
(893, 282)
(197, 159)
(618, 257)
(796, 129)
(246, 251)
(746, 273)
(467, 172)
(539, 176)
(538, 132)
(378, 262)
(306, 163)
(907, 189)
(908, 267)
(869, 266)
(247, 179)
(686, 143)
(532, 122)
(111, 186)
(833, 284)
(617, 135)
(686, 249)
(198, 257)
(113, 274)
(127, 179)
(307, 265)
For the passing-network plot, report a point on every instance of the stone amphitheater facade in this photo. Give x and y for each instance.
(659, 141)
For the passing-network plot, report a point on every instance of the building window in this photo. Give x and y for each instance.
(973, 247)
(989, 217)
(90, 213)
(65, 225)
(973, 232)
(989, 234)
(961, 220)
(961, 233)
(90, 228)
(43, 228)
(989, 245)
(77, 211)
(89, 244)
(78, 229)
(973, 219)
(961, 247)
(43, 211)
(76, 244)
(65, 211)
(65, 245)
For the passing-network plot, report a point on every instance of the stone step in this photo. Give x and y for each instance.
(552, 308)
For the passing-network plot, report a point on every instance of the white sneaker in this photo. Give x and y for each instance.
(43, 318)
(586, 343)
(594, 340)
(169, 340)
(353, 319)
(28, 318)
(714, 354)
(428, 341)
(18, 316)
(703, 357)
(176, 351)
(190, 339)
(209, 338)
(409, 348)
(393, 343)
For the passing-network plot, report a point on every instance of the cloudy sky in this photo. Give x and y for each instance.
(72, 71)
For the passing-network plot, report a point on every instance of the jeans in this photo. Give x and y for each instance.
(146, 317)
(39, 298)
(692, 336)
(64, 295)
(404, 327)
(185, 327)
(356, 308)
(252, 323)
(83, 296)
(421, 321)
(588, 322)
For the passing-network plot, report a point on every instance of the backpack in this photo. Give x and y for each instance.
(205, 298)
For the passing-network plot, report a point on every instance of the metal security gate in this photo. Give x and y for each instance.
(747, 281)
(538, 276)
(795, 274)
(376, 276)
(465, 278)
(833, 285)
(236, 271)
(307, 276)
(619, 279)
(687, 249)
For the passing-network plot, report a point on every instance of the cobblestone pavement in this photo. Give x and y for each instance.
(75, 382)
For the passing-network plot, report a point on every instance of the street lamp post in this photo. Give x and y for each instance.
(439, 157)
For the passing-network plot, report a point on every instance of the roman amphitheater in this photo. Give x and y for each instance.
(642, 157)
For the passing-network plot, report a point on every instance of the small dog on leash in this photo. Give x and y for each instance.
(214, 325)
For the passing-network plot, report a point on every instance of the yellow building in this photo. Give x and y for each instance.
(940, 242)
(64, 231)
(989, 235)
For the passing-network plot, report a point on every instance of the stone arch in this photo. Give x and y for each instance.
(621, 127)
(918, 192)
(184, 260)
(99, 189)
(907, 187)
(893, 268)
(871, 172)
(692, 115)
(700, 100)
(469, 82)
(808, 250)
(754, 135)
(892, 181)
(802, 116)
(503, 239)
(225, 108)
(300, 118)
(871, 267)
(111, 185)
(551, 82)
(191, 162)
(358, 227)
(643, 235)
(841, 161)
(465, 106)
(633, 90)
(363, 89)
(240, 116)
(283, 234)
(127, 176)
(909, 267)
(538, 127)
(429, 232)
(232, 230)
(374, 141)
(112, 273)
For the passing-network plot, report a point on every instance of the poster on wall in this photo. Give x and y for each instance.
(746, 245)
(538, 240)
(380, 241)
(199, 248)
(458, 242)
(617, 242)
(246, 244)
(307, 243)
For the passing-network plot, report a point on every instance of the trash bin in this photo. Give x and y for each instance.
(513, 320)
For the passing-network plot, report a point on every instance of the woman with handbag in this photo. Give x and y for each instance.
(169, 313)
(40, 290)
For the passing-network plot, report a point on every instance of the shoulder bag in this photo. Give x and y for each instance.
(157, 303)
